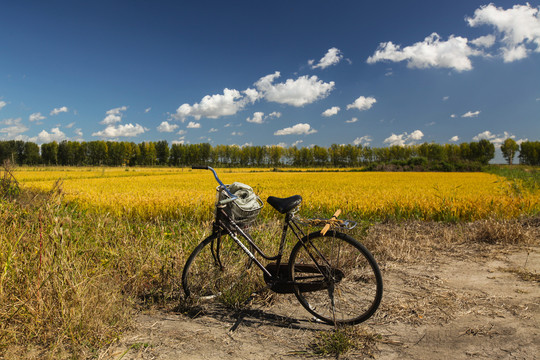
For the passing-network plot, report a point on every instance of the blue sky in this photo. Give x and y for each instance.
(273, 72)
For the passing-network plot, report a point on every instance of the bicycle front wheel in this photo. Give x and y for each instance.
(217, 270)
(335, 278)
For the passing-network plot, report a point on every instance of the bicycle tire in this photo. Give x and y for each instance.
(205, 279)
(353, 290)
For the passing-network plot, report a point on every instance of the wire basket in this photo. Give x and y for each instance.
(234, 211)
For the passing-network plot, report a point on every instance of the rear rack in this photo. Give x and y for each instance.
(333, 222)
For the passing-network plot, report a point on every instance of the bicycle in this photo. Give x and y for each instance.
(334, 277)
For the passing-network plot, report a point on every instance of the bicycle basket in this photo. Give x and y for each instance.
(243, 210)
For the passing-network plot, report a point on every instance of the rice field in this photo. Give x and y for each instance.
(184, 193)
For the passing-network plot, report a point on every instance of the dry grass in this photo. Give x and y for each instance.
(413, 241)
(505, 231)
(55, 299)
(70, 281)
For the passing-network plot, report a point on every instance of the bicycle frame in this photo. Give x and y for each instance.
(232, 229)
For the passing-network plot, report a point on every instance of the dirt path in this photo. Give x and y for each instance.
(475, 305)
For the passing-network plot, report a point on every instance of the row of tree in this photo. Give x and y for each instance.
(73, 153)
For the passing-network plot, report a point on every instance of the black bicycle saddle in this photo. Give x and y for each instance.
(284, 205)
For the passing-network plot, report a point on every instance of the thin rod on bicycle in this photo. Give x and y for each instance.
(231, 228)
(221, 183)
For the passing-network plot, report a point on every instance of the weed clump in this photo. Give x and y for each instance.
(345, 340)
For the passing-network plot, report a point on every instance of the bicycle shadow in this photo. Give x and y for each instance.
(251, 318)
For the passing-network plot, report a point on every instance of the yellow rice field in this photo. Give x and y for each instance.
(179, 193)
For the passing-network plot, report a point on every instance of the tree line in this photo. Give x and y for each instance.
(113, 153)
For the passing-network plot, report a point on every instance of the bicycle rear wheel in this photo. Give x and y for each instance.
(217, 270)
(335, 278)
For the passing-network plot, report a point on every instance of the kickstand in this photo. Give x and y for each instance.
(239, 319)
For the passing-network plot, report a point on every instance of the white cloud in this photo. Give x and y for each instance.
(297, 129)
(45, 137)
(453, 116)
(70, 125)
(59, 110)
(179, 142)
(147, 110)
(471, 114)
(218, 105)
(277, 114)
(486, 135)
(404, 139)
(127, 130)
(484, 41)
(212, 130)
(11, 121)
(2, 104)
(454, 139)
(353, 120)
(166, 127)
(496, 139)
(111, 119)
(117, 110)
(14, 128)
(432, 52)
(416, 135)
(519, 26)
(517, 52)
(193, 125)
(331, 112)
(332, 57)
(36, 117)
(114, 115)
(364, 140)
(257, 118)
(182, 132)
(446, 98)
(362, 103)
(297, 142)
(78, 132)
(252, 95)
(236, 133)
(299, 92)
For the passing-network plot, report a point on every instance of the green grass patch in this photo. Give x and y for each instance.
(342, 341)
(523, 178)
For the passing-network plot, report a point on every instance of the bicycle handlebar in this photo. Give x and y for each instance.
(205, 167)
